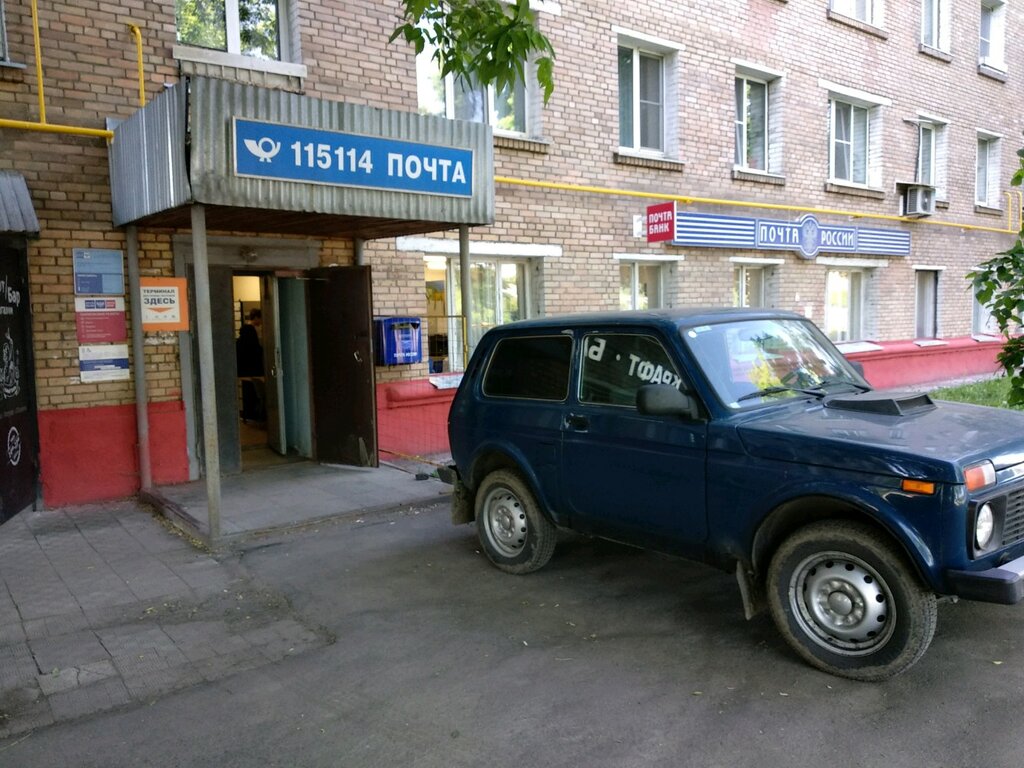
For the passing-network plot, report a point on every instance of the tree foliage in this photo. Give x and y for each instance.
(483, 41)
(999, 285)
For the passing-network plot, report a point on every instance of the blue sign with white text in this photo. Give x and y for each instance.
(807, 236)
(315, 156)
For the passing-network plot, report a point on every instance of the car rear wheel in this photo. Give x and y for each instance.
(513, 532)
(847, 601)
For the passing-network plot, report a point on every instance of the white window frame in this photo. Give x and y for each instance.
(529, 94)
(935, 26)
(939, 128)
(668, 52)
(288, 45)
(5, 51)
(654, 302)
(986, 191)
(740, 297)
(857, 303)
(867, 11)
(873, 104)
(992, 50)
(933, 303)
(742, 124)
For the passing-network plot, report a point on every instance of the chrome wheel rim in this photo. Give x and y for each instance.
(505, 522)
(842, 603)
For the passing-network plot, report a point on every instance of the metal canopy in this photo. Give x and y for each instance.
(17, 215)
(180, 150)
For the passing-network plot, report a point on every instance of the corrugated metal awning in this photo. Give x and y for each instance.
(17, 216)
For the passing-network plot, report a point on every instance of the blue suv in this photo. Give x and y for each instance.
(744, 439)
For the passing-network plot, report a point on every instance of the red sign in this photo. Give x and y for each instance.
(661, 222)
(100, 320)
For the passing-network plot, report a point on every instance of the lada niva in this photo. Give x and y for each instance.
(744, 439)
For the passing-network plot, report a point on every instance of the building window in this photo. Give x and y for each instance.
(748, 288)
(927, 304)
(751, 124)
(932, 153)
(935, 24)
(844, 304)
(506, 110)
(868, 11)
(247, 27)
(5, 53)
(851, 136)
(639, 285)
(982, 321)
(986, 188)
(992, 36)
(499, 291)
(641, 100)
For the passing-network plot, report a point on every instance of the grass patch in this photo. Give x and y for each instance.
(991, 392)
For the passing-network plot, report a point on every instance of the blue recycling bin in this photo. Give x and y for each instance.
(398, 340)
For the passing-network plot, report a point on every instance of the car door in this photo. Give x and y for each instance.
(627, 475)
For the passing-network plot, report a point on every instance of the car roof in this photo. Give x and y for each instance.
(681, 316)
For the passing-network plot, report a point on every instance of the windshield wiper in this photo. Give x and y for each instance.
(778, 390)
(829, 381)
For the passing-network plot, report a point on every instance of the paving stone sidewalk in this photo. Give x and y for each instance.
(102, 606)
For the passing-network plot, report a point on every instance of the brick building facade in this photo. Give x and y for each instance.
(845, 110)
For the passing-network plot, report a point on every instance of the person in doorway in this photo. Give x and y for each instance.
(249, 352)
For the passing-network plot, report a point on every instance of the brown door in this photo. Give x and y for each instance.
(341, 357)
(19, 439)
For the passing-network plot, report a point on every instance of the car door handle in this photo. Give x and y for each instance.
(577, 422)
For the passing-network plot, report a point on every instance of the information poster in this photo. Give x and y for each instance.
(103, 362)
(164, 304)
(100, 320)
(98, 271)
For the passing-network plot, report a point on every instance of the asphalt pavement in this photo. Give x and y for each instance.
(608, 657)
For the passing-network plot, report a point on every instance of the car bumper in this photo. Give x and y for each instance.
(1003, 584)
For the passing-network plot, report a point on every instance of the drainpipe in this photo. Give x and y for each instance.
(467, 293)
(357, 251)
(138, 354)
(207, 390)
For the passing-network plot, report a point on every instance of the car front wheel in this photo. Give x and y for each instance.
(846, 600)
(513, 532)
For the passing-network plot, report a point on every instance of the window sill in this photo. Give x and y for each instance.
(237, 61)
(942, 205)
(863, 26)
(11, 65)
(935, 53)
(994, 73)
(648, 161)
(523, 144)
(759, 177)
(987, 210)
(839, 188)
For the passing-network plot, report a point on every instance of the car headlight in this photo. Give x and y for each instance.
(984, 527)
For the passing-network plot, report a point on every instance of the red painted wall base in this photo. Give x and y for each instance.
(89, 454)
(903, 363)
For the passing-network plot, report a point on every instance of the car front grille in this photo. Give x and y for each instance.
(1013, 523)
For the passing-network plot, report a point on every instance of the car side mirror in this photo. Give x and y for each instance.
(666, 400)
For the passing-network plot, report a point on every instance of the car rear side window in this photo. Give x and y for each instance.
(616, 365)
(535, 368)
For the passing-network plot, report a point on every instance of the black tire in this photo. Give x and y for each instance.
(871, 619)
(513, 532)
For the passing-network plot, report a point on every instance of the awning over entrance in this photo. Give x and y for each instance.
(263, 160)
(17, 215)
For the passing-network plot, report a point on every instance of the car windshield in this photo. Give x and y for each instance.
(751, 362)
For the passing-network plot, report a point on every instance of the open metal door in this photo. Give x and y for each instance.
(19, 434)
(341, 358)
(272, 363)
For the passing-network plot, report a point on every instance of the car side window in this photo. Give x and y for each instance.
(534, 368)
(616, 365)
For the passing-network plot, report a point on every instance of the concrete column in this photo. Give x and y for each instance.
(138, 355)
(207, 390)
(357, 251)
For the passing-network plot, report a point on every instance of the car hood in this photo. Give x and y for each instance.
(928, 440)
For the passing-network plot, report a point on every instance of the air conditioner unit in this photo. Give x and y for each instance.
(918, 200)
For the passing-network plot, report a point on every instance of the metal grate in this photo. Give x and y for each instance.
(1013, 525)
